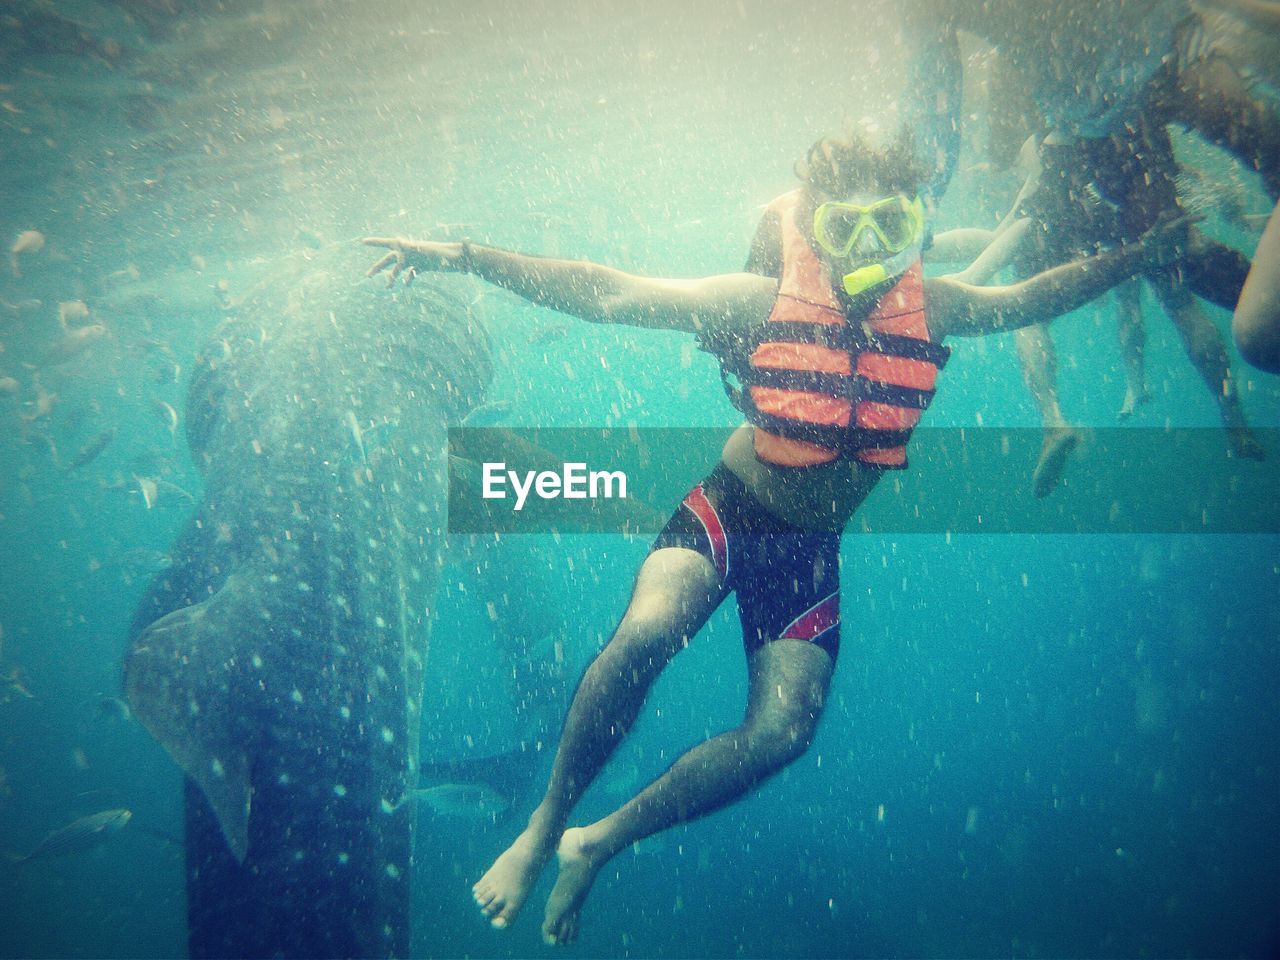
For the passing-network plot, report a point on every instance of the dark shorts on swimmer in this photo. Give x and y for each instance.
(787, 580)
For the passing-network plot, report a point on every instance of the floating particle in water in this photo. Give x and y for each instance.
(27, 242)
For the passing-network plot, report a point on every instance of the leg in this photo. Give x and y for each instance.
(1213, 271)
(1217, 101)
(787, 583)
(675, 592)
(1132, 335)
(788, 685)
(1256, 324)
(1040, 372)
(1208, 354)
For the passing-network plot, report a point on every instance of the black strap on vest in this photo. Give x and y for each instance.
(847, 337)
(855, 388)
(847, 440)
(739, 375)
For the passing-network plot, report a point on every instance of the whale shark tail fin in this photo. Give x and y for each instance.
(181, 683)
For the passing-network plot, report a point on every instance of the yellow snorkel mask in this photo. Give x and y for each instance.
(894, 224)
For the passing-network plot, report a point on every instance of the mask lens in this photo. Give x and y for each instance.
(838, 227)
(896, 225)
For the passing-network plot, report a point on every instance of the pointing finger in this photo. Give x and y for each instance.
(382, 264)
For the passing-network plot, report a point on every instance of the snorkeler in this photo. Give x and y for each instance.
(1088, 194)
(1106, 191)
(1247, 33)
(1089, 68)
(834, 366)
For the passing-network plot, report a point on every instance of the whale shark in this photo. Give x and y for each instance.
(279, 658)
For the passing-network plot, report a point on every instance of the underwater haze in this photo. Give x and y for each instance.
(1035, 745)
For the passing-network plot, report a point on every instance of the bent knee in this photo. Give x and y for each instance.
(782, 737)
(1259, 346)
(645, 640)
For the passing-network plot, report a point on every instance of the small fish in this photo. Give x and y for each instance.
(488, 414)
(113, 708)
(549, 333)
(42, 406)
(80, 835)
(168, 415)
(143, 561)
(171, 490)
(29, 241)
(167, 374)
(14, 683)
(150, 494)
(74, 343)
(91, 450)
(357, 435)
(8, 385)
(69, 310)
(471, 801)
(156, 492)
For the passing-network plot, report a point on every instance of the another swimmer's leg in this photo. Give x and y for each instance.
(1040, 371)
(1221, 104)
(675, 592)
(1132, 333)
(788, 686)
(1256, 324)
(1207, 352)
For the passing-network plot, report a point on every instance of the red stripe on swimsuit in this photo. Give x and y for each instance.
(701, 508)
(815, 621)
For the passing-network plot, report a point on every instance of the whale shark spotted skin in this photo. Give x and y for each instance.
(279, 659)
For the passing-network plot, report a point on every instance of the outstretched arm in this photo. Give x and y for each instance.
(587, 290)
(959, 309)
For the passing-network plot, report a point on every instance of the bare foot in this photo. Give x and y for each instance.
(1058, 444)
(1133, 399)
(578, 869)
(1241, 443)
(501, 892)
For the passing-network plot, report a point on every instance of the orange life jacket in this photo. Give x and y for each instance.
(817, 387)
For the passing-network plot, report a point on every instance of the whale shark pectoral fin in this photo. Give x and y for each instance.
(181, 682)
(226, 786)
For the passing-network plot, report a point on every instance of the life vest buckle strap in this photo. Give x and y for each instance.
(835, 336)
(871, 391)
(908, 348)
(855, 388)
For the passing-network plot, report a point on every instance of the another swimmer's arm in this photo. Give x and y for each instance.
(590, 291)
(997, 255)
(958, 309)
(960, 245)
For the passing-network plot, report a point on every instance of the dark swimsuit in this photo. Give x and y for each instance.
(787, 579)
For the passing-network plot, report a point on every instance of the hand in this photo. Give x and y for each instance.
(410, 256)
(1166, 242)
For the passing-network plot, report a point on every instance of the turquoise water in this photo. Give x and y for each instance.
(1038, 746)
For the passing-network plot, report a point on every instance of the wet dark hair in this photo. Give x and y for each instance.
(840, 167)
